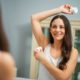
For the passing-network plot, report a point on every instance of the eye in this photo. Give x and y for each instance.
(54, 26)
(61, 27)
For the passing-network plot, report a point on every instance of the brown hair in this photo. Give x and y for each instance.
(4, 46)
(67, 40)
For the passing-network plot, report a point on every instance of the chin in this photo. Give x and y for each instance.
(59, 38)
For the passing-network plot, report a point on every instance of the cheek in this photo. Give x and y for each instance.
(64, 32)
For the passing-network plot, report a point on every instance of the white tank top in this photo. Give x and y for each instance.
(43, 72)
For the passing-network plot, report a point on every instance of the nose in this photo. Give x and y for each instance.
(58, 28)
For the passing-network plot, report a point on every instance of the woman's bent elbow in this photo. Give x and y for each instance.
(33, 17)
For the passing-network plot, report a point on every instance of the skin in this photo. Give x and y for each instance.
(7, 66)
(58, 34)
(58, 31)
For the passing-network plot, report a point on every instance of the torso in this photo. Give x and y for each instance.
(43, 72)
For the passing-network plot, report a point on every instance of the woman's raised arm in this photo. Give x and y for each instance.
(36, 18)
(36, 27)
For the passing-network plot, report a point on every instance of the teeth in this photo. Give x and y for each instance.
(59, 33)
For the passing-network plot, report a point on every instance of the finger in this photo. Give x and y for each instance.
(67, 6)
(36, 56)
(36, 50)
(69, 12)
(35, 53)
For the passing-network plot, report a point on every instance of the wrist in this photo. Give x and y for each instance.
(42, 60)
(59, 10)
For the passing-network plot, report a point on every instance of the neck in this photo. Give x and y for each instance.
(57, 45)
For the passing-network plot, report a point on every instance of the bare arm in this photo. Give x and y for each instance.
(60, 74)
(36, 27)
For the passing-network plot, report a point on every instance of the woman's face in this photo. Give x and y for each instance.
(57, 29)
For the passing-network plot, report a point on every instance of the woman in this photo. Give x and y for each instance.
(59, 59)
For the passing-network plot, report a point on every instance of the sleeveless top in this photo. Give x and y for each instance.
(43, 72)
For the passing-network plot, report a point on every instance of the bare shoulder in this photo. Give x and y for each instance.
(74, 52)
(4, 53)
(73, 57)
(6, 56)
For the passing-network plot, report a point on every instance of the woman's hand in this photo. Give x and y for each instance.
(66, 9)
(39, 54)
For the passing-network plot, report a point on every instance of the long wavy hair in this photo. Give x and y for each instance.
(4, 46)
(66, 42)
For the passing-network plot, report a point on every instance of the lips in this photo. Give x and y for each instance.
(58, 33)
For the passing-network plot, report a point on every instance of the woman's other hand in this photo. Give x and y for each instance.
(39, 54)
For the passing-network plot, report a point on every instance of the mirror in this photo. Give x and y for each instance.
(16, 16)
(76, 41)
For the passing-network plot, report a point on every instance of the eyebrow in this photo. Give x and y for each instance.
(59, 25)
